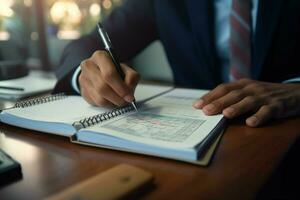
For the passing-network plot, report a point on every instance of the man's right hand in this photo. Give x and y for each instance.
(101, 85)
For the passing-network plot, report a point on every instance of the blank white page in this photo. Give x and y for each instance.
(68, 110)
(75, 108)
(145, 91)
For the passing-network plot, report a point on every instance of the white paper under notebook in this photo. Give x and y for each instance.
(166, 124)
(34, 83)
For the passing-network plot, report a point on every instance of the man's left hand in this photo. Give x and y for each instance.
(263, 100)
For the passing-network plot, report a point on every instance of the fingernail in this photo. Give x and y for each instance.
(129, 98)
(229, 112)
(209, 108)
(199, 103)
(252, 121)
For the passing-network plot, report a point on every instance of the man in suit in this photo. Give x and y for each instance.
(244, 50)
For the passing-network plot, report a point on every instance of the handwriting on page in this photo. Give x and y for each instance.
(155, 126)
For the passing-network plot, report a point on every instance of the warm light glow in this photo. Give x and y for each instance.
(68, 35)
(10, 144)
(65, 13)
(107, 4)
(34, 36)
(5, 8)
(7, 3)
(28, 3)
(95, 9)
(117, 2)
(4, 36)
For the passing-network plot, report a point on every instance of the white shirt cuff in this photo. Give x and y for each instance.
(74, 79)
(293, 80)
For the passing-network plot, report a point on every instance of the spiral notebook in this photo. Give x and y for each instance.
(166, 124)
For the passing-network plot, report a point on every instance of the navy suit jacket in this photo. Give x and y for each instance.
(186, 30)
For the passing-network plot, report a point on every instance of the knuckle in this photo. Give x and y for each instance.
(100, 102)
(86, 97)
(123, 93)
(81, 82)
(219, 104)
(207, 96)
(237, 93)
(261, 89)
(120, 103)
(135, 77)
(253, 86)
(251, 99)
(204, 98)
(84, 63)
(223, 88)
(107, 75)
(101, 89)
(278, 105)
(268, 109)
(135, 74)
(83, 92)
(99, 54)
(245, 80)
(81, 78)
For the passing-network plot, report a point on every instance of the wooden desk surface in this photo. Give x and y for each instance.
(244, 160)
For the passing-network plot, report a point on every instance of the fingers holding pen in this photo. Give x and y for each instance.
(131, 77)
(108, 81)
(100, 83)
(110, 75)
(94, 89)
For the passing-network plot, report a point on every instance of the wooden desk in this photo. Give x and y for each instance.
(244, 161)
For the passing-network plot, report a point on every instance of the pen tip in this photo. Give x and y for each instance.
(134, 106)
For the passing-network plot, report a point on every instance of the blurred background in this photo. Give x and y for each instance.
(36, 32)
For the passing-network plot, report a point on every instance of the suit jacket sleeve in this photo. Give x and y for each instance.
(131, 28)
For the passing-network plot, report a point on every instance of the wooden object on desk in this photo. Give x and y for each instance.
(243, 163)
(115, 183)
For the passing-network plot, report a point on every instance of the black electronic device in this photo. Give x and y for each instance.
(12, 69)
(10, 170)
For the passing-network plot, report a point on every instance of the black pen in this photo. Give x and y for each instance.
(12, 88)
(109, 48)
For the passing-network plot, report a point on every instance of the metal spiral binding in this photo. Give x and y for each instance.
(39, 100)
(93, 120)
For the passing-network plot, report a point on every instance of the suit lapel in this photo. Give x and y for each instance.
(267, 19)
(201, 14)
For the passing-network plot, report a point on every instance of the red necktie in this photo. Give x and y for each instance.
(240, 39)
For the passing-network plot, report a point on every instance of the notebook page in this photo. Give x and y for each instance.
(146, 91)
(168, 120)
(74, 108)
(35, 82)
(66, 110)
